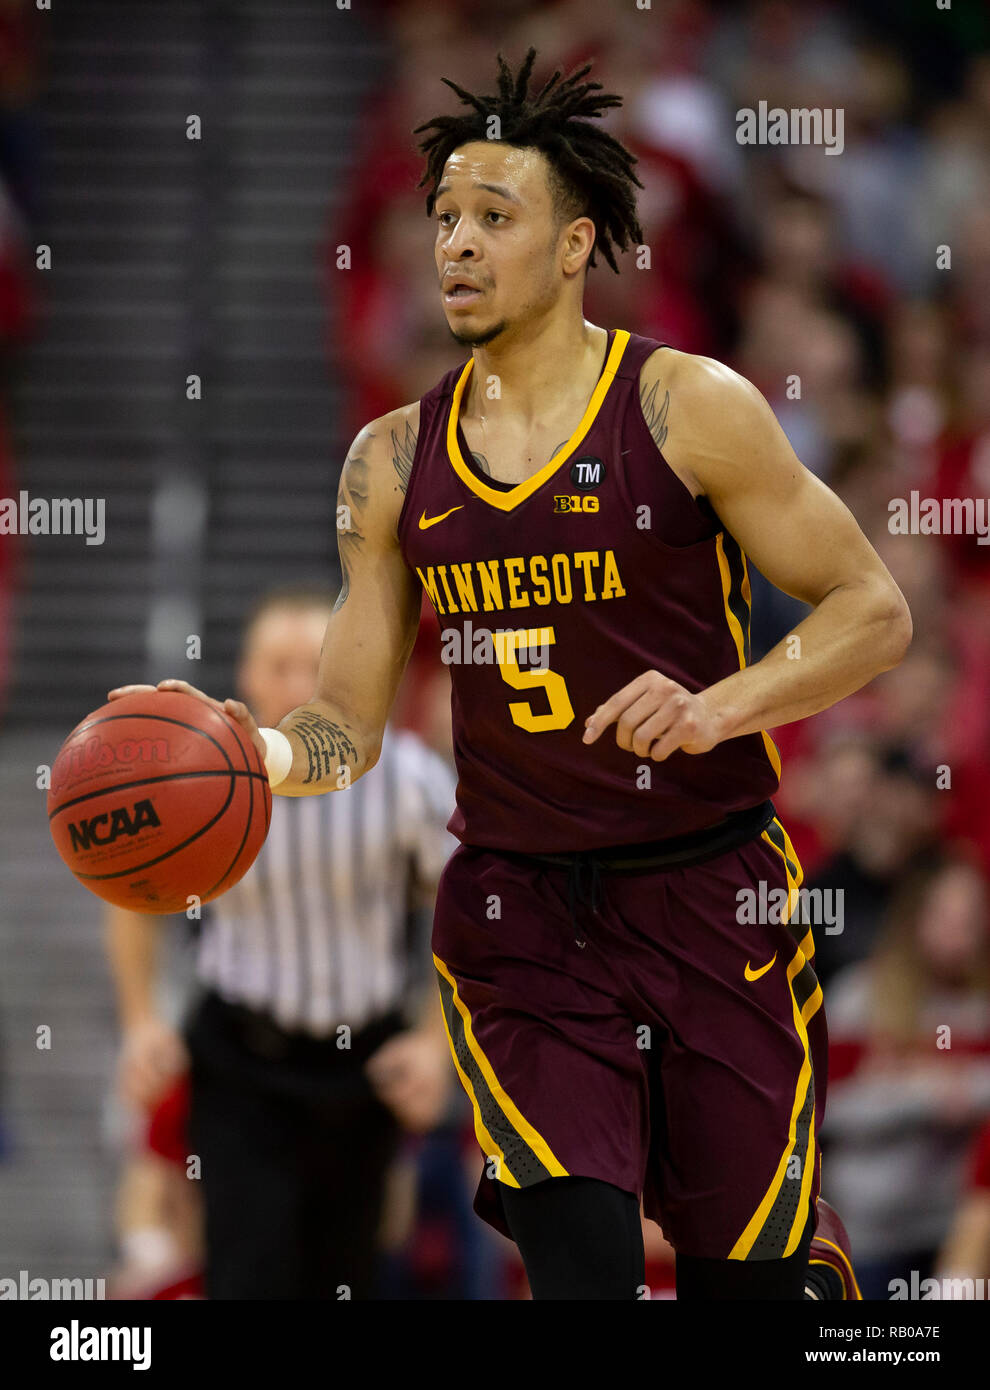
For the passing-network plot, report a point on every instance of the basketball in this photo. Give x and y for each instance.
(157, 799)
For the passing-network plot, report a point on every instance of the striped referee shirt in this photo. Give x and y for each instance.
(316, 933)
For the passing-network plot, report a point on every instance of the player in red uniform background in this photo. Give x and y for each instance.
(578, 503)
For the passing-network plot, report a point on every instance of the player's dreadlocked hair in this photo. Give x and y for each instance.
(591, 174)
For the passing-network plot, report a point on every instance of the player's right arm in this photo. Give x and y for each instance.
(371, 631)
(373, 626)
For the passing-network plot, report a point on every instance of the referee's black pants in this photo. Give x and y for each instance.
(294, 1149)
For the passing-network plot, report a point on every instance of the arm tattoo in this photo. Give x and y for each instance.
(403, 452)
(656, 419)
(352, 498)
(327, 745)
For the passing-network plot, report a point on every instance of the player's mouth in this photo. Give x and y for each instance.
(461, 293)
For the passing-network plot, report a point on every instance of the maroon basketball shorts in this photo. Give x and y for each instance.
(664, 1033)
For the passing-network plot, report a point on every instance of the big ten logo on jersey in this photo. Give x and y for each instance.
(575, 504)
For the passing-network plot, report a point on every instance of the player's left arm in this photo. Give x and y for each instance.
(721, 438)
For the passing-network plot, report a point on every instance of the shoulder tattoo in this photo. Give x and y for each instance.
(655, 411)
(352, 499)
(403, 453)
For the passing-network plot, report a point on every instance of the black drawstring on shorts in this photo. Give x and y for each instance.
(581, 862)
(677, 851)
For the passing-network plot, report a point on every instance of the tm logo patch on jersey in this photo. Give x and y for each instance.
(587, 472)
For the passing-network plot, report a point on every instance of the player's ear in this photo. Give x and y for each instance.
(579, 242)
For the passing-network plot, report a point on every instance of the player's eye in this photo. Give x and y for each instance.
(491, 213)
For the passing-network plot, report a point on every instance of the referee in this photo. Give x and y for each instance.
(316, 1036)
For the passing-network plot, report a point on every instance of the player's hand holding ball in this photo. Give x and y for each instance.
(160, 800)
(234, 709)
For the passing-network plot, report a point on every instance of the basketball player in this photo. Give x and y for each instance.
(579, 503)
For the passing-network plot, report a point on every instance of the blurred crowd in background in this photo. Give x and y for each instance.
(824, 280)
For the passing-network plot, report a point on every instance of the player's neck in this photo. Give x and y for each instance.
(545, 364)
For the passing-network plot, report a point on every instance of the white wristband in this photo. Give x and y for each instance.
(278, 759)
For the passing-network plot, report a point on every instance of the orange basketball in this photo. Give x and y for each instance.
(156, 799)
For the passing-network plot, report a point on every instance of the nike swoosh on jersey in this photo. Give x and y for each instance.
(426, 521)
(752, 974)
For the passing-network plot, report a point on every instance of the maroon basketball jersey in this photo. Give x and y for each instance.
(555, 593)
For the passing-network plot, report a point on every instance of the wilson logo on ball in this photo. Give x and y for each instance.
(86, 833)
(95, 752)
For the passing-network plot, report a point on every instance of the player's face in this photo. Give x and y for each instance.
(280, 661)
(496, 228)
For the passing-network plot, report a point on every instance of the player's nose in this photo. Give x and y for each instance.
(462, 241)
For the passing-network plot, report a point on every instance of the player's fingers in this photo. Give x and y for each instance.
(614, 706)
(641, 723)
(664, 746)
(184, 688)
(681, 731)
(173, 683)
(659, 726)
(653, 684)
(121, 690)
(240, 712)
(674, 717)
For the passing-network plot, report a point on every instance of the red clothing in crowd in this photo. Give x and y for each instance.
(978, 1176)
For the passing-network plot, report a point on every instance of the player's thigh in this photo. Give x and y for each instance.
(738, 1091)
(543, 1048)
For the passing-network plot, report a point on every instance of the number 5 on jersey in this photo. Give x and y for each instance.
(561, 711)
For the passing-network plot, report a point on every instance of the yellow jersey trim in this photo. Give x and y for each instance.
(533, 1139)
(796, 1143)
(735, 628)
(507, 501)
(822, 1240)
